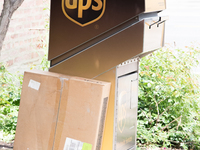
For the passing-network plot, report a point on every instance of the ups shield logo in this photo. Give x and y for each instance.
(83, 12)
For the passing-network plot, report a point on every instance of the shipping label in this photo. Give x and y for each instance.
(72, 144)
(34, 84)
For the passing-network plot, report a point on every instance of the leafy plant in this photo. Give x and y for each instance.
(10, 92)
(10, 89)
(169, 99)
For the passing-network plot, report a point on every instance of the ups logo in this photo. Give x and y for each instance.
(83, 12)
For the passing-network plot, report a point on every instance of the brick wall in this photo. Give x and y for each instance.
(26, 36)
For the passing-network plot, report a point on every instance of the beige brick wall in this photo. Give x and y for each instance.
(23, 44)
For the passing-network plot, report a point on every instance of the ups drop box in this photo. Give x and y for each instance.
(59, 112)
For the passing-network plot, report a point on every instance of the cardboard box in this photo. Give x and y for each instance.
(59, 112)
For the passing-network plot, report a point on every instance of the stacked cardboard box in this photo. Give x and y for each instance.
(59, 112)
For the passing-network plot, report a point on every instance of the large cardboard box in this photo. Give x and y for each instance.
(59, 112)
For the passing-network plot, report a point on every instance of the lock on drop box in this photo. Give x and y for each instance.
(59, 112)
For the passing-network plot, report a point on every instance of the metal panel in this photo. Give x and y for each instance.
(126, 105)
(154, 33)
(127, 67)
(109, 137)
(154, 5)
(65, 35)
(94, 41)
(126, 111)
(148, 35)
(105, 55)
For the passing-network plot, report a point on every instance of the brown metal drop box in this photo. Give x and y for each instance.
(59, 112)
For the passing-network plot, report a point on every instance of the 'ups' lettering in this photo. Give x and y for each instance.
(99, 6)
(83, 12)
(73, 4)
(85, 7)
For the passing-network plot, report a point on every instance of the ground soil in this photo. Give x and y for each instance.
(9, 146)
(6, 146)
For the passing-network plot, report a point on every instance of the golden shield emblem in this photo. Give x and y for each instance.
(83, 12)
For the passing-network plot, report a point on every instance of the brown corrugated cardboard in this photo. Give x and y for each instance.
(56, 109)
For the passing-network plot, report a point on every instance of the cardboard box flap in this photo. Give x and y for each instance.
(55, 107)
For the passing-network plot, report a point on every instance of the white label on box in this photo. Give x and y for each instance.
(34, 84)
(71, 144)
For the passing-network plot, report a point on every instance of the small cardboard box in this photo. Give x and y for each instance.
(59, 112)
